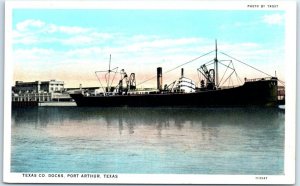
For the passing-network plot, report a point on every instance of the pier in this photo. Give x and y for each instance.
(16, 104)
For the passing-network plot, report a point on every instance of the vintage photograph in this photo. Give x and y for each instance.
(150, 92)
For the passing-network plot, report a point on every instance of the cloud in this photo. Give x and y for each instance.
(52, 28)
(273, 19)
(26, 32)
(29, 24)
(84, 53)
(161, 43)
(28, 40)
(73, 30)
(31, 32)
(77, 40)
(33, 54)
(93, 38)
(102, 35)
(269, 19)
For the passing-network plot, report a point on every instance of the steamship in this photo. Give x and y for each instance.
(181, 93)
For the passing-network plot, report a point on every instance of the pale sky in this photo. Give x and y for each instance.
(70, 45)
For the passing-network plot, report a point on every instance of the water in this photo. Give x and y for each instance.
(148, 140)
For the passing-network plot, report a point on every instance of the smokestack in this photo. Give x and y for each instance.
(159, 78)
(182, 72)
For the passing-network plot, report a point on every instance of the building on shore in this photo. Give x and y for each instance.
(39, 91)
(39, 87)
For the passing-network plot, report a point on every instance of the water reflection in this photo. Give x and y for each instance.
(149, 140)
(158, 117)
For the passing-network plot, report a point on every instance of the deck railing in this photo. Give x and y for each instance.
(260, 79)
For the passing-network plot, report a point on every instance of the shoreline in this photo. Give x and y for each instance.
(57, 104)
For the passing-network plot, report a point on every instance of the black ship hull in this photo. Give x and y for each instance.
(251, 93)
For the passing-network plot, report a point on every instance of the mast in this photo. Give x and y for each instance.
(216, 67)
(109, 73)
(108, 81)
(109, 62)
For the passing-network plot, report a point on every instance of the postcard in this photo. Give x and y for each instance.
(150, 92)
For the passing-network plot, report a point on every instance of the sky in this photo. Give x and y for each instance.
(71, 44)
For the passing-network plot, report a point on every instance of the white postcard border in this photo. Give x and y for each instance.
(290, 117)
